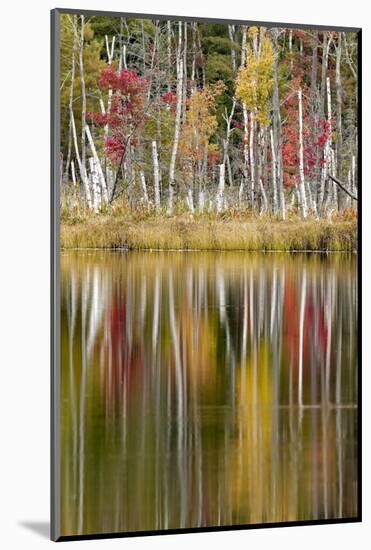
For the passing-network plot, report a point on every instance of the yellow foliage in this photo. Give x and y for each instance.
(252, 31)
(255, 81)
(201, 122)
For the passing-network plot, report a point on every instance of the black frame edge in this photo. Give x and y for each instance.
(166, 17)
(223, 528)
(54, 278)
(359, 268)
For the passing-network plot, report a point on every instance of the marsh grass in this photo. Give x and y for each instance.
(233, 230)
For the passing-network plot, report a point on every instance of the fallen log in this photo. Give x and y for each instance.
(342, 186)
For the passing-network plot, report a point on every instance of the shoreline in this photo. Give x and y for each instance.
(185, 234)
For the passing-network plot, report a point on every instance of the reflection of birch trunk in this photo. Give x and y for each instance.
(339, 431)
(156, 310)
(97, 307)
(84, 306)
(301, 336)
(71, 318)
(180, 392)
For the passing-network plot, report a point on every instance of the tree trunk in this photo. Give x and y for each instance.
(244, 111)
(231, 31)
(83, 95)
(98, 165)
(70, 101)
(73, 174)
(314, 185)
(189, 200)
(220, 193)
(339, 128)
(277, 128)
(252, 160)
(303, 199)
(177, 121)
(82, 168)
(327, 151)
(94, 179)
(169, 54)
(228, 120)
(274, 172)
(144, 187)
(156, 176)
(325, 51)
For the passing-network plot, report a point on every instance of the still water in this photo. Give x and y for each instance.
(207, 389)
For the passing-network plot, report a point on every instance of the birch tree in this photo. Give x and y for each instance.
(179, 92)
(303, 199)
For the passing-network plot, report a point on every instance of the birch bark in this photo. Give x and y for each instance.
(303, 199)
(220, 192)
(177, 121)
(98, 165)
(156, 176)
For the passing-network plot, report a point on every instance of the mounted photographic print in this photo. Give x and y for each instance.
(205, 227)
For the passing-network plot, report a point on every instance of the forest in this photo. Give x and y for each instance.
(205, 135)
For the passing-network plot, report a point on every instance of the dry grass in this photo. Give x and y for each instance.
(208, 232)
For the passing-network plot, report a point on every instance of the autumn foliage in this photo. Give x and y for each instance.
(127, 108)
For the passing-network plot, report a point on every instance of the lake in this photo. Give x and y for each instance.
(207, 389)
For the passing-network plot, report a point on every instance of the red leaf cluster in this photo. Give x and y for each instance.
(127, 109)
(316, 132)
(169, 98)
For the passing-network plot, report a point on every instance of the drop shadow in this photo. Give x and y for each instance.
(42, 528)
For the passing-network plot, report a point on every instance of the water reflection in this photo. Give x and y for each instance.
(205, 389)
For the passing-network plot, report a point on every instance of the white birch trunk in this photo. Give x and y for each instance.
(244, 110)
(169, 52)
(231, 31)
(327, 152)
(354, 184)
(264, 208)
(82, 168)
(201, 200)
(94, 179)
(189, 200)
(252, 159)
(73, 65)
(110, 52)
(73, 173)
(220, 193)
(178, 113)
(303, 199)
(99, 166)
(144, 187)
(274, 174)
(83, 95)
(156, 175)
